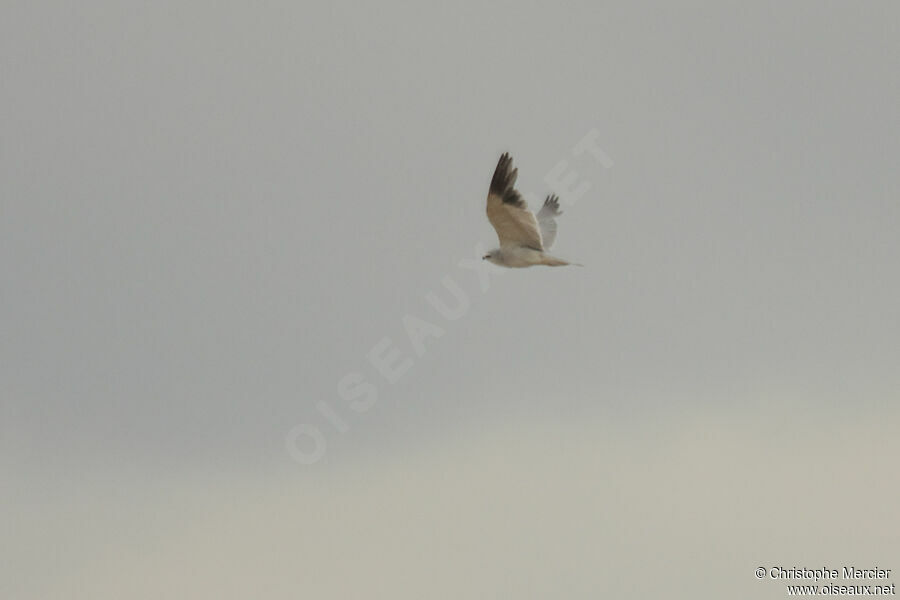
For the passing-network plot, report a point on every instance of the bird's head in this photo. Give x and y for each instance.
(493, 256)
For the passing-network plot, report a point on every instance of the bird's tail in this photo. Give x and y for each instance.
(552, 261)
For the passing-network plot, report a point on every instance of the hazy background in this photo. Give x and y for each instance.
(211, 212)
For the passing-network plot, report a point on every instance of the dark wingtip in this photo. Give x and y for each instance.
(552, 202)
(504, 176)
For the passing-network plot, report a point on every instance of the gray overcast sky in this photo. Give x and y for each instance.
(213, 212)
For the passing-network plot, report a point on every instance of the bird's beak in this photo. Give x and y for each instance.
(485, 257)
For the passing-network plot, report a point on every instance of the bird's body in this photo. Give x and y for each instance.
(522, 256)
(523, 237)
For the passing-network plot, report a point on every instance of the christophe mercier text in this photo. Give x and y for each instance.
(825, 573)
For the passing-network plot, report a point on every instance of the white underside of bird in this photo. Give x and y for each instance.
(523, 237)
(522, 256)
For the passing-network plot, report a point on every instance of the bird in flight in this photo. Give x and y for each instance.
(523, 237)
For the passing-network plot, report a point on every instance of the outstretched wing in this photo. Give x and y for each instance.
(507, 211)
(546, 218)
